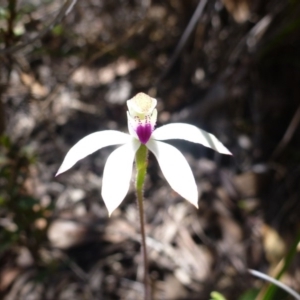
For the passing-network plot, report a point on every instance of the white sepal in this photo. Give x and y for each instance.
(90, 144)
(189, 133)
(117, 175)
(176, 170)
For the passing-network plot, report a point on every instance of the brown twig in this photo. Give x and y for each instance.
(288, 135)
(182, 42)
(9, 35)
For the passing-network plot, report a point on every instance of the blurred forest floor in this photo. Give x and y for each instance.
(67, 69)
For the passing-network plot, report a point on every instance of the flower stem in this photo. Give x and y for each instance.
(141, 159)
(272, 289)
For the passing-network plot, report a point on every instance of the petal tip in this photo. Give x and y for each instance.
(194, 198)
(219, 147)
(195, 203)
(58, 173)
(227, 152)
(110, 211)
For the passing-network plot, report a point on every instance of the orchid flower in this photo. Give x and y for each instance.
(142, 116)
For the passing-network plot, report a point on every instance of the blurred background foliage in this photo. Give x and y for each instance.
(231, 67)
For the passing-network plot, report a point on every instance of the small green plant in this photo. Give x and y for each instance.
(21, 214)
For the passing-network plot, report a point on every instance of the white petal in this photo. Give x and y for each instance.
(189, 133)
(117, 174)
(90, 144)
(176, 170)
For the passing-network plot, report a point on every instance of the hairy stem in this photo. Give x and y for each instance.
(141, 167)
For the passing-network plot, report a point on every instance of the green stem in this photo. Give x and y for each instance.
(141, 160)
(270, 292)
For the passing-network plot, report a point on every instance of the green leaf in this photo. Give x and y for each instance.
(57, 30)
(26, 203)
(216, 296)
(3, 13)
(249, 295)
(5, 141)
